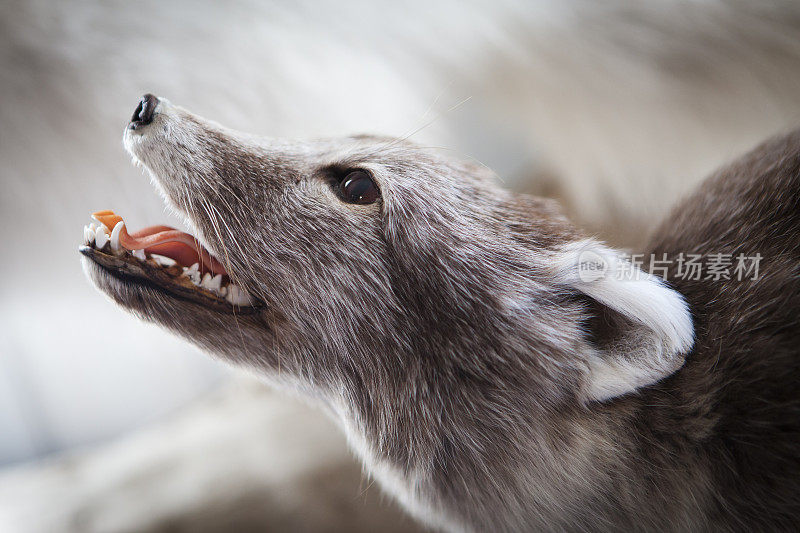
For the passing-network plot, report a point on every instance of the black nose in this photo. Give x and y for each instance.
(145, 112)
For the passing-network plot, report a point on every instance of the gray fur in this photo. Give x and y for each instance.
(443, 327)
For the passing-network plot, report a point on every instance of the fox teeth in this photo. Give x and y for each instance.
(163, 261)
(237, 296)
(193, 273)
(89, 232)
(98, 234)
(101, 237)
(115, 236)
(216, 283)
(88, 235)
(212, 283)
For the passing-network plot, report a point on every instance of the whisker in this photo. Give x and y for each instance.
(393, 142)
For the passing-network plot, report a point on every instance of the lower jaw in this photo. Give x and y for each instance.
(128, 269)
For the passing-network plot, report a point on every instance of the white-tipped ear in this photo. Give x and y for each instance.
(651, 331)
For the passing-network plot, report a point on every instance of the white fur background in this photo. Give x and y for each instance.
(615, 107)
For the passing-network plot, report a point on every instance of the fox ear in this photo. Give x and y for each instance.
(640, 329)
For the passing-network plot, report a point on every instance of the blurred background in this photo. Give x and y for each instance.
(107, 424)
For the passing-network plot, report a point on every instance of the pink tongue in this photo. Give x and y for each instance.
(172, 243)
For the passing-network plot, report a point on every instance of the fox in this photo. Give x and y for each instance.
(494, 367)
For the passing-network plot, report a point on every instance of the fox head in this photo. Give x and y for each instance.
(403, 288)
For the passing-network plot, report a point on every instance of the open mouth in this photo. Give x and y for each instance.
(168, 259)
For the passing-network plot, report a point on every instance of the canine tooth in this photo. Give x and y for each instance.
(115, 236)
(101, 237)
(139, 254)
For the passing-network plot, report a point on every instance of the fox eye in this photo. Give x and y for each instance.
(358, 187)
